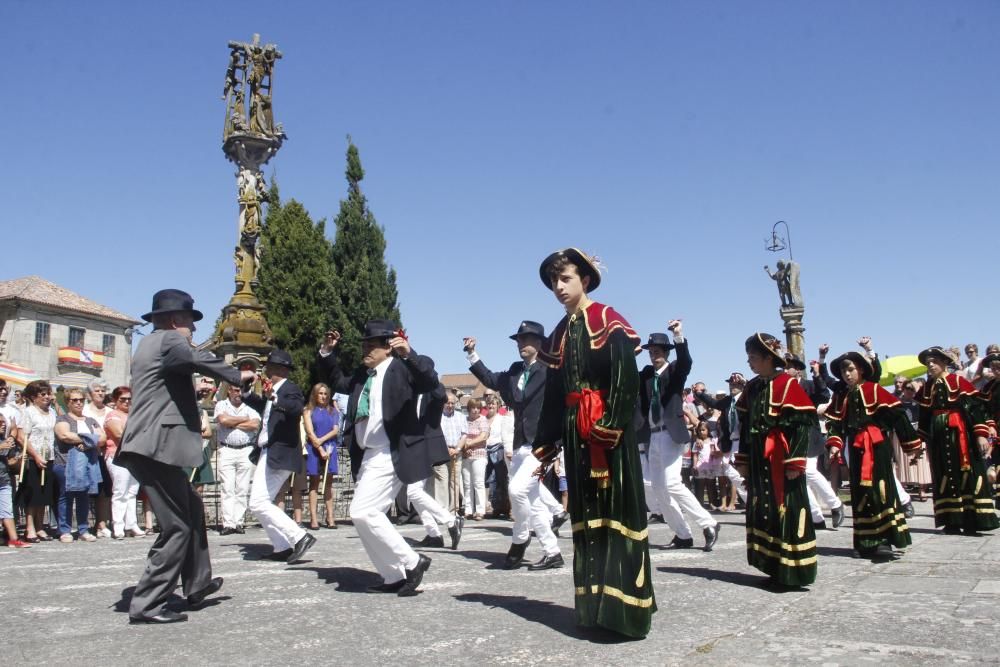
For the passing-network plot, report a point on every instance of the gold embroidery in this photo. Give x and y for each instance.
(881, 489)
(944, 484)
(979, 484)
(612, 524)
(802, 522)
(641, 579)
(596, 589)
(802, 562)
(760, 534)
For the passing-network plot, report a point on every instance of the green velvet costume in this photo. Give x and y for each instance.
(863, 419)
(952, 415)
(592, 354)
(776, 417)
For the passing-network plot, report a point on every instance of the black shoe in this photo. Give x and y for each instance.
(970, 532)
(312, 527)
(678, 543)
(240, 529)
(414, 577)
(819, 525)
(952, 530)
(227, 531)
(455, 531)
(656, 518)
(908, 510)
(515, 555)
(711, 536)
(838, 516)
(387, 588)
(196, 599)
(404, 519)
(164, 616)
(883, 552)
(548, 562)
(431, 542)
(558, 520)
(301, 547)
(279, 555)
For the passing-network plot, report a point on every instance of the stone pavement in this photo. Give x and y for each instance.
(939, 604)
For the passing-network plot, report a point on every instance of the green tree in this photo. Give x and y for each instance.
(297, 282)
(367, 286)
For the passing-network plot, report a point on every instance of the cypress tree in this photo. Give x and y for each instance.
(366, 285)
(297, 283)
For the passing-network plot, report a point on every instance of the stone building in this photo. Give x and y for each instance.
(58, 333)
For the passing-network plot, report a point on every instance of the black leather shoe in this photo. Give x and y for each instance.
(558, 520)
(819, 525)
(164, 616)
(387, 588)
(952, 530)
(431, 542)
(239, 529)
(301, 547)
(908, 510)
(711, 536)
(548, 562)
(214, 586)
(227, 531)
(455, 531)
(515, 555)
(279, 555)
(656, 518)
(678, 543)
(838, 516)
(883, 552)
(414, 577)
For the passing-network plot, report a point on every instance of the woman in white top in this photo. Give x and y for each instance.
(72, 431)
(97, 408)
(496, 466)
(36, 487)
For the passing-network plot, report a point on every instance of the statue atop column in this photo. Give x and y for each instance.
(787, 278)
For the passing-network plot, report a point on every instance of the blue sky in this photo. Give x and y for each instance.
(666, 137)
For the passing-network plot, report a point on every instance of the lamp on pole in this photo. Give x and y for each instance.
(777, 243)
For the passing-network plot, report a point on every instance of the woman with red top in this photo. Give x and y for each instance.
(473, 447)
(125, 487)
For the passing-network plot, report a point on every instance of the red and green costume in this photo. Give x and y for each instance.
(991, 393)
(952, 416)
(590, 400)
(863, 419)
(776, 416)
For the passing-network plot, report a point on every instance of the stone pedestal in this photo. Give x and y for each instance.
(243, 337)
(794, 330)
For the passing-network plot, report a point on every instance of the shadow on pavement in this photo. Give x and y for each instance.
(843, 552)
(558, 618)
(255, 551)
(348, 579)
(738, 578)
(493, 559)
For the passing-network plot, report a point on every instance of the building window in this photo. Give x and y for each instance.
(76, 335)
(42, 333)
(108, 345)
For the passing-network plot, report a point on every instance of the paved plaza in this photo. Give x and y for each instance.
(939, 604)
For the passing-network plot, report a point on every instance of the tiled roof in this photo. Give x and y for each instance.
(41, 291)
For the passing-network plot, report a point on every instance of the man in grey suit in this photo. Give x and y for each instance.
(162, 434)
(661, 399)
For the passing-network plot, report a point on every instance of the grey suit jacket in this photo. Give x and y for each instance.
(164, 423)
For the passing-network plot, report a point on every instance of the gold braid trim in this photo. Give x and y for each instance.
(793, 562)
(600, 589)
(758, 533)
(612, 524)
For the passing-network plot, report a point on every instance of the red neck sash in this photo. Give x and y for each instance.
(866, 440)
(956, 422)
(589, 405)
(775, 450)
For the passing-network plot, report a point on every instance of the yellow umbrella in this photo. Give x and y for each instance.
(904, 364)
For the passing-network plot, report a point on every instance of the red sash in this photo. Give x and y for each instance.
(590, 409)
(866, 440)
(956, 422)
(775, 449)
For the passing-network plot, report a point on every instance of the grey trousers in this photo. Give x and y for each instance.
(181, 549)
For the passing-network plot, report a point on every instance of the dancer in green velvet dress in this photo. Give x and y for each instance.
(954, 422)
(590, 400)
(776, 416)
(862, 416)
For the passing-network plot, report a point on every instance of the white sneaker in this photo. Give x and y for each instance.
(135, 532)
(87, 537)
(104, 532)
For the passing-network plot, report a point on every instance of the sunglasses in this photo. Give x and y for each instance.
(125, 399)
(74, 400)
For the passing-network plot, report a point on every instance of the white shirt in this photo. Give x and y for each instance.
(11, 415)
(233, 437)
(454, 426)
(371, 432)
(262, 440)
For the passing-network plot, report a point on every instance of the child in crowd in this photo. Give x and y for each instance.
(9, 459)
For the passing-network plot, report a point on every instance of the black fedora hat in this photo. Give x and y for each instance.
(936, 351)
(585, 265)
(989, 359)
(736, 378)
(793, 360)
(767, 344)
(859, 360)
(380, 329)
(279, 358)
(659, 339)
(530, 328)
(173, 301)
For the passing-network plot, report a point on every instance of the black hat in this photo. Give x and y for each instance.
(767, 344)
(859, 360)
(279, 358)
(660, 339)
(989, 359)
(936, 351)
(585, 265)
(172, 301)
(529, 327)
(380, 329)
(793, 360)
(736, 378)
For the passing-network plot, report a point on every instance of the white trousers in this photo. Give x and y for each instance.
(430, 510)
(904, 497)
(549, 500)
(235, 474)
(526, 506)
(474, 485)
(281, 529)
(665, 462)
(651, 500)
(124, 489)
(819, 490)
(374, 493)
(735, 478)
